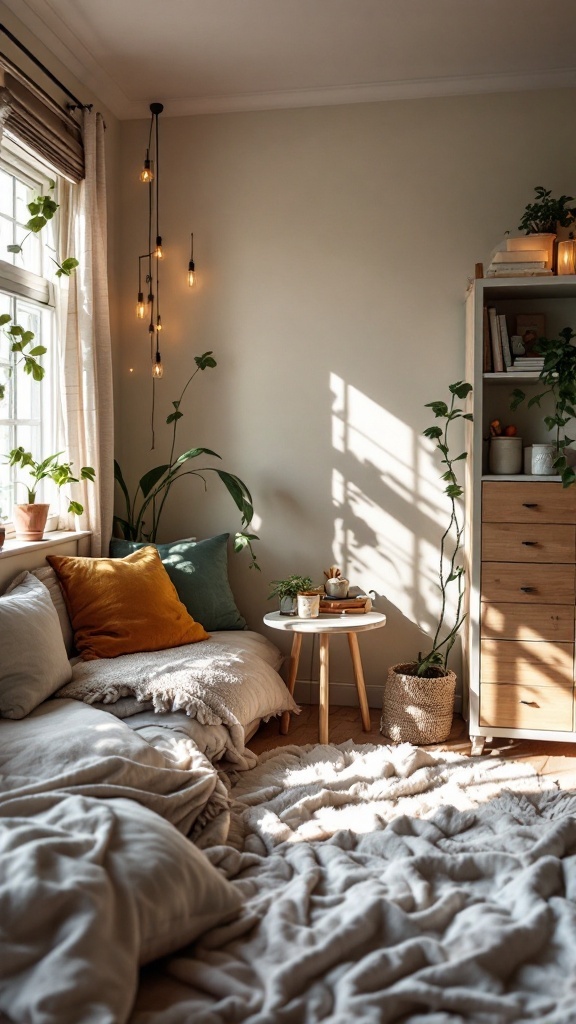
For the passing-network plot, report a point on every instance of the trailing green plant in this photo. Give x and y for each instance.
(289, 587)
(435, 661)
(42, 209)
(545, 214)
(143, 512)
(20, 340)
(558, 375)
(59, 472)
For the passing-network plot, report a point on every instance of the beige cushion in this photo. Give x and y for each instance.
(34, 662)
(48, 577)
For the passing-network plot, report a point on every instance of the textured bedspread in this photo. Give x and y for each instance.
(386, 885)
(94, 866)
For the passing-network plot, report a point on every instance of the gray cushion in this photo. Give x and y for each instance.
(34, 663)
(199, 571)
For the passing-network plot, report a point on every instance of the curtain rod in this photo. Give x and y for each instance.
(44, 69)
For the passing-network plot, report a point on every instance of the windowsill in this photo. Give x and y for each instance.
(54, 538)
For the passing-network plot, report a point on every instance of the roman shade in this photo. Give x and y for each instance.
(36, 121)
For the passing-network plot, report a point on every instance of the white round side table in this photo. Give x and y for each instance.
(326, 625)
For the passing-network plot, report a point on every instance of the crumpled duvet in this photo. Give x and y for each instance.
(450, 899)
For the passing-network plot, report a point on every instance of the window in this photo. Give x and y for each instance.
(28, 412)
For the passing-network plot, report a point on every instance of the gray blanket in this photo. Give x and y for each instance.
(386, 885)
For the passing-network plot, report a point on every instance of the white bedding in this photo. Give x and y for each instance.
(96, 876)
(386, 886)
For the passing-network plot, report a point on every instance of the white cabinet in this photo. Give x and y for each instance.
(520, 542)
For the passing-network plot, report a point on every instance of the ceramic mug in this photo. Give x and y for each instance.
(308, 605)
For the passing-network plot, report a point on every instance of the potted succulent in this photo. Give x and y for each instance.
(419, 695)
(30, 518)
(287, 592)
(540, 221)
(558, 376)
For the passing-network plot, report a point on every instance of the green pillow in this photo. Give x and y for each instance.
(199, 571)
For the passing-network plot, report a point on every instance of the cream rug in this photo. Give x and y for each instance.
(383, 885)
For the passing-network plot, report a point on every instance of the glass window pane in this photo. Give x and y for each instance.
(31, 255)
(6, 194)
(24, 195)
(6, 239)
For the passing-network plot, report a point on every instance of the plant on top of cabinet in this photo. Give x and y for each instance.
(545, 214)
(558, 375)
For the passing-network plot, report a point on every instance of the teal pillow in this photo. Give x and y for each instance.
(199, 571)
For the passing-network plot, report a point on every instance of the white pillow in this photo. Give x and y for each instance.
(48, 577)
(34, 662)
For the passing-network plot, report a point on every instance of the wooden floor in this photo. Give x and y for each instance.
(557, 759)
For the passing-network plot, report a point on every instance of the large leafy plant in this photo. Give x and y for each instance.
(434, 662)
(143, 511)
(558, 375)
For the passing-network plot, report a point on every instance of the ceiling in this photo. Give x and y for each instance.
(204, 56)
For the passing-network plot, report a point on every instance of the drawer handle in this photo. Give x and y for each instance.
(529, 543)
(529, 504)
(528, 590)
(529, 703)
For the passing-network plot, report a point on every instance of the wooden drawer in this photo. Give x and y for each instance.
(527, 622)
(517, 502)
(531, 583)
(517, 706)
(538, 662)
(517, 542)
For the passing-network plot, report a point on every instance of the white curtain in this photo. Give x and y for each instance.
(84, 337)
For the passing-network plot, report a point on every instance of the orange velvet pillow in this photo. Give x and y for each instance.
(123, 605)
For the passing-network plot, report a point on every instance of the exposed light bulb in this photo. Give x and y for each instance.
(157, 368)
(191, 274)
(158, 252)
(147, 172)
(158, 322)
(140, 307)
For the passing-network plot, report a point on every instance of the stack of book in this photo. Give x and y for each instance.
(527, 364)
(514, 262)
(355, 605)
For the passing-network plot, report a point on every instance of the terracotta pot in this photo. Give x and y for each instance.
(30, 521)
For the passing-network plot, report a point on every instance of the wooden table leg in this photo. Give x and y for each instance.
(294, 659)
(324, 688)
(359, 680)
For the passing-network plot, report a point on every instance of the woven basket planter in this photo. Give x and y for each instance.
(417, 710)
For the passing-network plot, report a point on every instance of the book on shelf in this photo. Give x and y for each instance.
(521, 256)
(526, 371)
(514, 271)
(504, 340)
(532, 361)
(497, 357)
(486, 343)
(517, 267)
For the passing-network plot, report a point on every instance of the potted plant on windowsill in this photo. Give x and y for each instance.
(287, 591)
(30, 518)
(419, 695)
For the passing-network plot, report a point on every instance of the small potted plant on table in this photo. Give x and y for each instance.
(287, 591)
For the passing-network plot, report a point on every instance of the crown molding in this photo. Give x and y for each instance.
(38, 18)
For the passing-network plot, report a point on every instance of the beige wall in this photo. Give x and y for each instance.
(333, 249)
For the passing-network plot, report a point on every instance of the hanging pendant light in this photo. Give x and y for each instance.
(191, 273)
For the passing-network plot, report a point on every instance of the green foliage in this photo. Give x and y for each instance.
(20, 340)
(289, 587)
(435, 661)
(558, 375)
(59, 472)
(143, 512)
(41, 210)
(544, 215)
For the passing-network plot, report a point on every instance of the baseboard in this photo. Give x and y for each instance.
(345, 695)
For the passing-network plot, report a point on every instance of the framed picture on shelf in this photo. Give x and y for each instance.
(530, 327)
